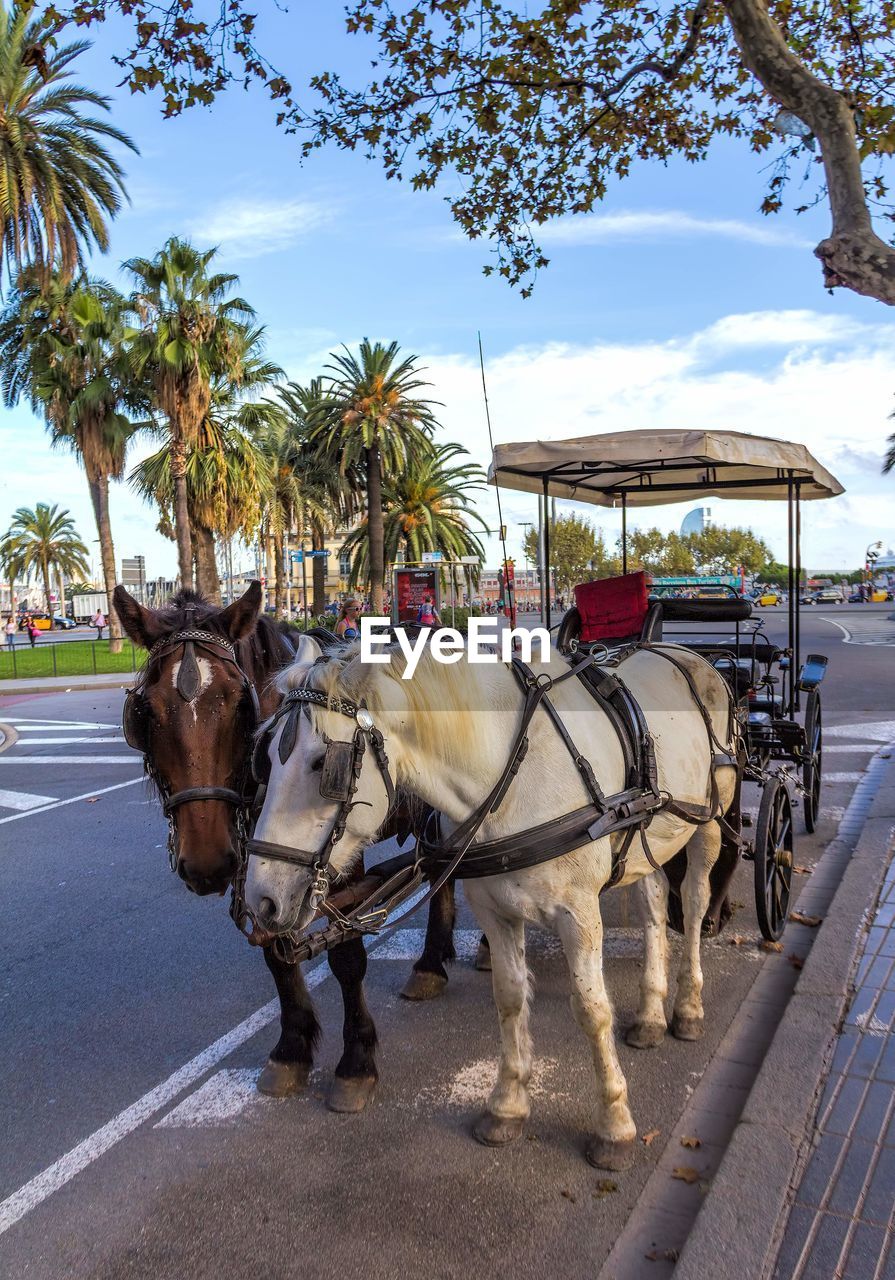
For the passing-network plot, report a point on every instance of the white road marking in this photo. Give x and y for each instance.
(74, 759)
(875, 630)
(86, 795)
(843, 777)
(407, 944)
(64, 742)
(875, 730)
(22, 800)
(850, 746)
(223, 1097)
(56, 1175)
(39, 726)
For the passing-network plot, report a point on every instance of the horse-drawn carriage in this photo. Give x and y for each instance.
(782, 740)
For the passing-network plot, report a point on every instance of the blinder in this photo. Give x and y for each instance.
(341, 763)
(135, 721)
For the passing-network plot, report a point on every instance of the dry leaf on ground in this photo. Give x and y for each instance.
(604, 1187)
(92, 800)
(770, 946)
(736, 940)
(647, 1138)
(692, 1143)
(811, 921)
(802, 871)
(662, 1255)
(796, 961)
(567, 1194)
(686, 1173)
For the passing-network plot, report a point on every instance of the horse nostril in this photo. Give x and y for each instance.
(267, 909)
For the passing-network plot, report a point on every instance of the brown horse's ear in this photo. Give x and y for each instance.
(140, 624)
(240, 618)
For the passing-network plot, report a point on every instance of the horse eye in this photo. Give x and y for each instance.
(317, 765)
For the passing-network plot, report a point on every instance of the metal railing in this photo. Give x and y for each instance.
(66, 658)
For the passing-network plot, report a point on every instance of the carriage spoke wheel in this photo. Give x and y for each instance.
(773, 859)
(811, 767)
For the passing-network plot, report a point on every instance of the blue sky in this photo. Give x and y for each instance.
(675, 305)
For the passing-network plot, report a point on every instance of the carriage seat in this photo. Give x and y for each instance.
(611, 611)
(713, 609)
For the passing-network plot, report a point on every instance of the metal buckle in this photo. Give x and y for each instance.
(364, 720)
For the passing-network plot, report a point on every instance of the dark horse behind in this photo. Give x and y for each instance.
(207, 685)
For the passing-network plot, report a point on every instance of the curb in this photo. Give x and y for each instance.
(739, 1226)
(76, 685)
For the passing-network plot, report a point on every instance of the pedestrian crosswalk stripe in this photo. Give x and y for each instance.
(871, 631)
(39, 726)
(63, 742)
(22, 800)
(855, 776)
(11, 758)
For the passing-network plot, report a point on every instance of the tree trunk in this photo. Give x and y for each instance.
(208, 582)
(318, 571)
(99, 496)
(853, 255)
(47, 592)
(279, 575)
(375, 530)
(181, 513)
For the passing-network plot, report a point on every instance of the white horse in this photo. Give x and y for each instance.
(448, 732)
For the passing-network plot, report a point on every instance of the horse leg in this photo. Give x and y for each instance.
(612, 1146)
(286, 1070)
(429, 977)
(649, 1029)
(702, 854)
(356, 1074)
(508, 1105)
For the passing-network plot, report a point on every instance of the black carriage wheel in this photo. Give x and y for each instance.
(813, 762)
(773, 859)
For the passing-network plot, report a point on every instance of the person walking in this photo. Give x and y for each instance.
(33, 632)
(427, 614)
(10, 630)
(347, 626)
(99, 622)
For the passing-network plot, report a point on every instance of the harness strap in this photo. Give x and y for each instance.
(203, 793)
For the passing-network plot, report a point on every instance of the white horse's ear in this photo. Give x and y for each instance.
(307, 651)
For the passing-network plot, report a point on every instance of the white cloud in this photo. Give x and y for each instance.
(633, 224)
(251, 228)
(834, 398)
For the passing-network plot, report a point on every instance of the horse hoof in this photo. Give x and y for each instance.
(423, 986)
(483, 958)
(282, 1079)
(496, 1131)
(351, 1093)
(603, 1153)
(683, 1028)
(645, 1035)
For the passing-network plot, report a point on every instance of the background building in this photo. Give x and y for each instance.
(696, 520)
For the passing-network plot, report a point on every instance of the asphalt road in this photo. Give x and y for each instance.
(132, 1142)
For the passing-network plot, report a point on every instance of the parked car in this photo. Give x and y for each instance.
(63, 622)
(828, 595)
(768, 598)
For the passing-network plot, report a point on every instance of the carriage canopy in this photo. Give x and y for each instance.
(651, 468)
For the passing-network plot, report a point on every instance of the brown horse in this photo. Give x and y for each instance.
(206, 685)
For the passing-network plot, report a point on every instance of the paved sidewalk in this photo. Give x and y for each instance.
(64, 684)
(841, 1223)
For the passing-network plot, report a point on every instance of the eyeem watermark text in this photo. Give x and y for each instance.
(486, 641)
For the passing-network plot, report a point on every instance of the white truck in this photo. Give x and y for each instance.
(84, 607)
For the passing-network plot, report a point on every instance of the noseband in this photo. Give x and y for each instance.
(339, 778)
(135, 718)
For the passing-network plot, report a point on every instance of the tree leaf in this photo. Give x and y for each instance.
(811, 921)
(686, 1173)
(692, 1143)
(647, 1138)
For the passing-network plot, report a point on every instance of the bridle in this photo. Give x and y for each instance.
(339, 777)
(135, 722)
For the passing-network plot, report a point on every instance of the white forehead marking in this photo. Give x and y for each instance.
(206, 673)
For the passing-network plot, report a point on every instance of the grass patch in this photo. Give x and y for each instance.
(68, 658)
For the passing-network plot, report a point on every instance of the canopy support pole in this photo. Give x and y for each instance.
(545, 568)
(624, 533)
(797, 658)
(790, 580)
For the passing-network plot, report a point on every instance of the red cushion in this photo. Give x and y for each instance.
(612, 607)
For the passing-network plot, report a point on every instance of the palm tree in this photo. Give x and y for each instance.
(889, 461)
(374, 420)
(188, 333)
(329, 496)
(39, 541)
(60, 346)
(228, 471)
(427, 508)
(60, 183)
